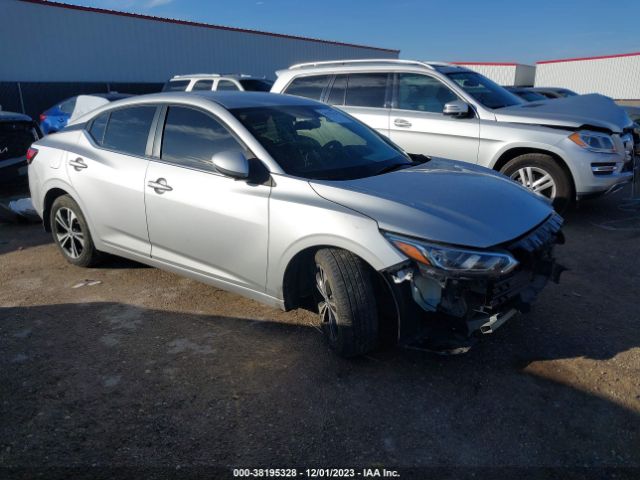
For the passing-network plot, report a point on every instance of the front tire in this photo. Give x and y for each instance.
(541, 174)
(347, 304)
(71, 233)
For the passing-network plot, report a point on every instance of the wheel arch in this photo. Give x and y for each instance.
(49, 198)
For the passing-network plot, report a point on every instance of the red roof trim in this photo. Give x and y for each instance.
(198, 24)
(500, 64)
(577, 59)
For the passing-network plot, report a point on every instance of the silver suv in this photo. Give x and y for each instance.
(570, 148)
(217, 82)
(296, 204)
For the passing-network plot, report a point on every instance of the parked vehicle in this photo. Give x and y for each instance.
(296, 204)
(217, 82)
(570, 148)
(56, 117)
(553, 92)
(526, 94)
(17, 133)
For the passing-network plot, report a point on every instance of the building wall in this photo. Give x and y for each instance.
(507, 74)
(42, 42)
(615, 76)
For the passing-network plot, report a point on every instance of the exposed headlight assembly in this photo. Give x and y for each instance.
(453, 259)
(594, 141)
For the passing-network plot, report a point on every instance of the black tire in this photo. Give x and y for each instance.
(355, 330)
(81, 243)
(541, 162)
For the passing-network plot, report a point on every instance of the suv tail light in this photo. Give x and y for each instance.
(43, 117)
(31, 154)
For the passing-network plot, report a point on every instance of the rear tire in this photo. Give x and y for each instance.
(71, 233)
(543, 175)
(347, 303)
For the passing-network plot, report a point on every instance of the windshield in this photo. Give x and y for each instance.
(320, 142)
(483, 90)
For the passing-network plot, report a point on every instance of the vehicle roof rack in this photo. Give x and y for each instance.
(196, 75)
(368, 61)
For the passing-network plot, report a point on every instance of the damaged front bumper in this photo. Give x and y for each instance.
(433, 303)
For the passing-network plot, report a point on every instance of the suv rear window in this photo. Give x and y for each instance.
(176, 86)
(308, 87)
(366, 90)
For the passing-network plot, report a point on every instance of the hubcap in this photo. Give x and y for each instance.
(327, 306)
(536, 180)
(69, 233)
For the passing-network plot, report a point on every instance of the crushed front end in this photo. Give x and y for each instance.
(444, 308)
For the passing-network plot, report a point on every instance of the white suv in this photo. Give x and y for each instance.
(563, 149)
(217, 82)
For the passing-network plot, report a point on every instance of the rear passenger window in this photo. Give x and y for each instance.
(309, 87)
(68, 105)
(128, 130)
(191, 138)
(203, 85)
(226, 85)
(98, 127)
(338, 89)
(366, 90)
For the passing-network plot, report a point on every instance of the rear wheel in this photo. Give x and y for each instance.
(346, 302)
(541, 174)
(71, 233)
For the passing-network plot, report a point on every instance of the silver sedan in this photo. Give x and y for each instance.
(296, 204)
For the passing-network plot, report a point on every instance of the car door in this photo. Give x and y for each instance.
(418, 125)
(107, 170)
(365, 96)
(199, 219)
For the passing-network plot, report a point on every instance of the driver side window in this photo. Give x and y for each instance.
(422, 93)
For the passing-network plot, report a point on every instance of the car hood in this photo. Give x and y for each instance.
(443, 201)
(574, 112)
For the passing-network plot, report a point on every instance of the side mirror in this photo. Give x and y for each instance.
(232, 163)
(457, 108)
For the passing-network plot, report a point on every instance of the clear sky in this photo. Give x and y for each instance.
(447, 30)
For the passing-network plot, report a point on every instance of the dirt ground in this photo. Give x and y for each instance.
(150, 370)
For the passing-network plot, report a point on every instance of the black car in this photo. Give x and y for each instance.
(553, 92)
(17, 133)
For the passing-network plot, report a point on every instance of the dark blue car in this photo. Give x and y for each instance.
(56, 117)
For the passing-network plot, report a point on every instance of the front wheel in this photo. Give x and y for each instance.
(346, 302)
(541, 174)
(71, 233)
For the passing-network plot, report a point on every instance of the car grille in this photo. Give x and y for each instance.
(16, 138)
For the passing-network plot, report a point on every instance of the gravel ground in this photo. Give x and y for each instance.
(149, 370)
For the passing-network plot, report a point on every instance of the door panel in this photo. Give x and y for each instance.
(209, 224)
(417, 124)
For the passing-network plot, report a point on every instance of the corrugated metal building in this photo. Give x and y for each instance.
(617, 76)
(507, 74)
(67, 49)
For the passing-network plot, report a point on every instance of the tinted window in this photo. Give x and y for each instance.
(320, 142)
(366, 90)
(191, 138)
(309, 87)
(98, 126)
(488, 93)
(254, 85)
(338, 89)
(422, 93)
(176, 86)
(203, 85)
(68, 105)
(128, 130)
(226, 85)
(530, 96)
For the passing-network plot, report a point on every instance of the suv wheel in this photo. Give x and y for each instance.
(541, 174)
(346, 302)
(71, 233)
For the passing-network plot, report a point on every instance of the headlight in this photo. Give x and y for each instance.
(453, 259)
(594, 141)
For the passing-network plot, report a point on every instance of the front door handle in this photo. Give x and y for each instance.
(402, 123)
(78, 164)
(160, 186)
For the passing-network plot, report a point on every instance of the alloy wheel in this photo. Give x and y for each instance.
(69, 232)
(537, 180)
(327, 306)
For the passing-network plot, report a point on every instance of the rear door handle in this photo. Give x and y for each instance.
(160, 186)
(78, 164)
(402, 123)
